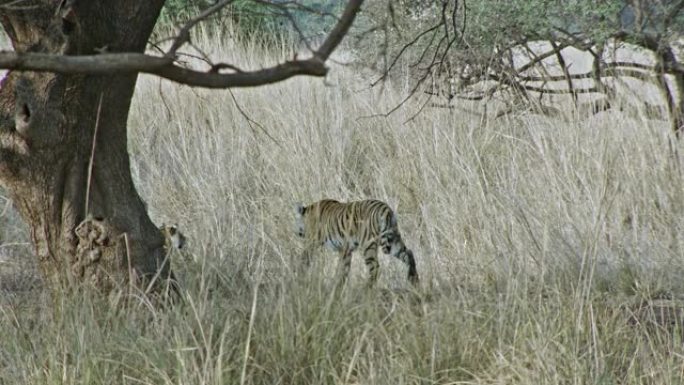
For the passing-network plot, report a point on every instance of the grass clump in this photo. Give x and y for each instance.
(549, 250)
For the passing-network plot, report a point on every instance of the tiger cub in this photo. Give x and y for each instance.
(346, 227)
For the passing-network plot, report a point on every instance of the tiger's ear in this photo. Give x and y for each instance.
(299, 207)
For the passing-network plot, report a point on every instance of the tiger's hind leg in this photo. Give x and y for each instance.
(303, 264)
(407, 257)
(392, 244)
(370, 257)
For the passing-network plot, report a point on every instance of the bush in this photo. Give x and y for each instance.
(270, 21)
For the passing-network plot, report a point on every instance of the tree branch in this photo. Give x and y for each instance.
(561, 91)
(120, 63)
(608, 71)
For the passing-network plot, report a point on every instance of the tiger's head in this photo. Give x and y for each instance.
(172, 236)
(300, 220)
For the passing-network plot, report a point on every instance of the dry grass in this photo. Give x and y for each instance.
(540, 243)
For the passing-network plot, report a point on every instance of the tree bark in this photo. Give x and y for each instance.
(63, 145)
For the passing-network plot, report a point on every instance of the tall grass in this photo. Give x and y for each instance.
(537, 241)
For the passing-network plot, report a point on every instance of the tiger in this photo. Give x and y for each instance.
(173, 238)
(345, 227)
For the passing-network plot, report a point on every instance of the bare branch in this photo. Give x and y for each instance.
(561, 91)
(566, 70)
(251, 122)
(403, 49)
(476, 97)
(630, 65)
(339, 31)
(609, 71)
(184, 33)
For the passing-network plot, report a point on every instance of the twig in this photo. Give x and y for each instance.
(184, 34)
(92, 155)
(251, 121)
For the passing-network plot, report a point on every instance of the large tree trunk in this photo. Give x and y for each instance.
(88, 224)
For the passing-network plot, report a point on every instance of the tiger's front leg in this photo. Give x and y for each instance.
(344, 265)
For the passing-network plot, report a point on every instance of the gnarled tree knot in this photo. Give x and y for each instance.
(95, 237)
